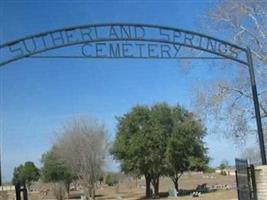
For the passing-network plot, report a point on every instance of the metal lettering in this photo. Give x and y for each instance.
(96, 32)
(137, 33)
(152, 50)
(126, 32)
(112, 32)
(69, 36)
(114, 52)
(165, 49)
(176, 35)
(157, 42)
(84, 51)
(234, 52)
(17, 49)
(86, 34)
(211, 45)
(30, 48)
(200, 41)
(222, 48)
(165, 35)
(99, 50)
(43, 41)
(188, 37)
(140, 49)
(58, 37)
(177, 49)
(125, 50)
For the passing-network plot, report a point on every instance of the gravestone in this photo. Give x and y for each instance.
(173, 192)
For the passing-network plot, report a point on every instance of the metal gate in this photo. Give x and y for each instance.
(245, 180)
(21, 189)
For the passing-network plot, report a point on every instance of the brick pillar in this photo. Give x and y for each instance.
(261, 181)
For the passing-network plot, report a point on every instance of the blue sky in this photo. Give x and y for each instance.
(37, 96)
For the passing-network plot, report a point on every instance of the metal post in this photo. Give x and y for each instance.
(256, 105)
(17, 187)
(0, 168)
(253, 180)
(25, 192)
(249, 184)
(237, 184)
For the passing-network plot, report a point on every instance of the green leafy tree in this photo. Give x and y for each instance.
(17, 175)
(131, 144)
(140, 143)
(26, 174)
(162, 125)
(185, 149)
(111, 179)
(55, 170)
(146, 140)
(224, 164)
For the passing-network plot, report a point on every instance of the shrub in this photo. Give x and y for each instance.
(111, 180)
(223, 173)
(209, 170)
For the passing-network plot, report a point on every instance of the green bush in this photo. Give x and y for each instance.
(111, 180)
(209, 170)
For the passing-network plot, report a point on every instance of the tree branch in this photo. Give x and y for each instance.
(242, 93)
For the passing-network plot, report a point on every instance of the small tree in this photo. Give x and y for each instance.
(111, 179)
(26, 174)
(55, 170)
(224, 164)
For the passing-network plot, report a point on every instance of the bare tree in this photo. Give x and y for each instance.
(230, 102)
(252, 154)
(59, 190)
(83, 146)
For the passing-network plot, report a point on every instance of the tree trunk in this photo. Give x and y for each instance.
(155, 183)
(157, 187)
(176, 185)
(93, 191)
(175, 180)
(87, 193)
(148, 181)
(67, 185)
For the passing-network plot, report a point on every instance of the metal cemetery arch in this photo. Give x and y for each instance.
(139, 41)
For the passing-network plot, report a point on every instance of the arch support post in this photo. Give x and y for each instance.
(256, 106)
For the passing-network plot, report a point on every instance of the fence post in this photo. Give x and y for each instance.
(253, 180)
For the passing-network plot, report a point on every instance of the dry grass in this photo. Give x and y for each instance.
(132, 190)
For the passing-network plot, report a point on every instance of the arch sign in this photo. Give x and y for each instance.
(131, 41)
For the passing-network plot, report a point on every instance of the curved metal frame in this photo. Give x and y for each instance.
(248, 62)
(10, 43)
